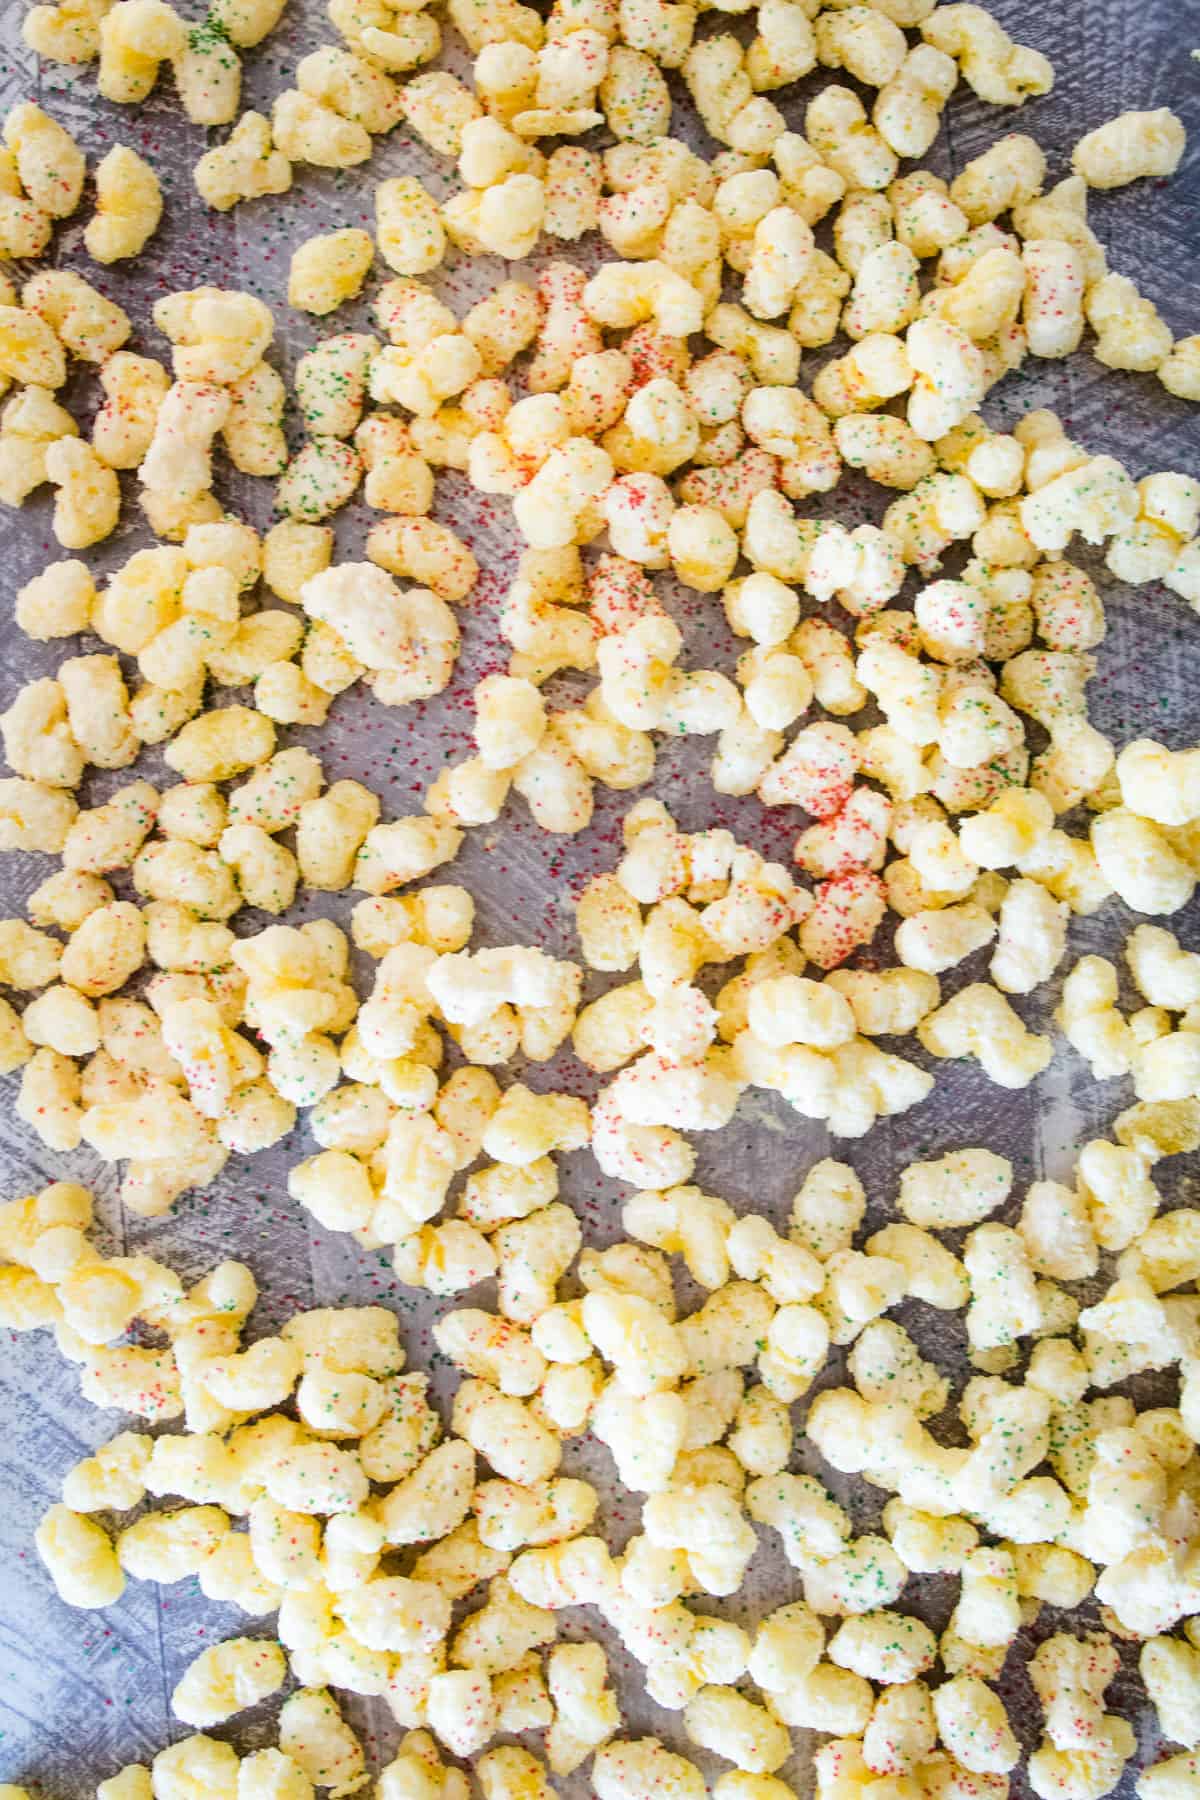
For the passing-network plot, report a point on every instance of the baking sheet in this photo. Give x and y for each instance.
(83, 1693)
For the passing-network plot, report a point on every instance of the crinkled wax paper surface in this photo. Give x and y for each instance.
(82, 1693)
